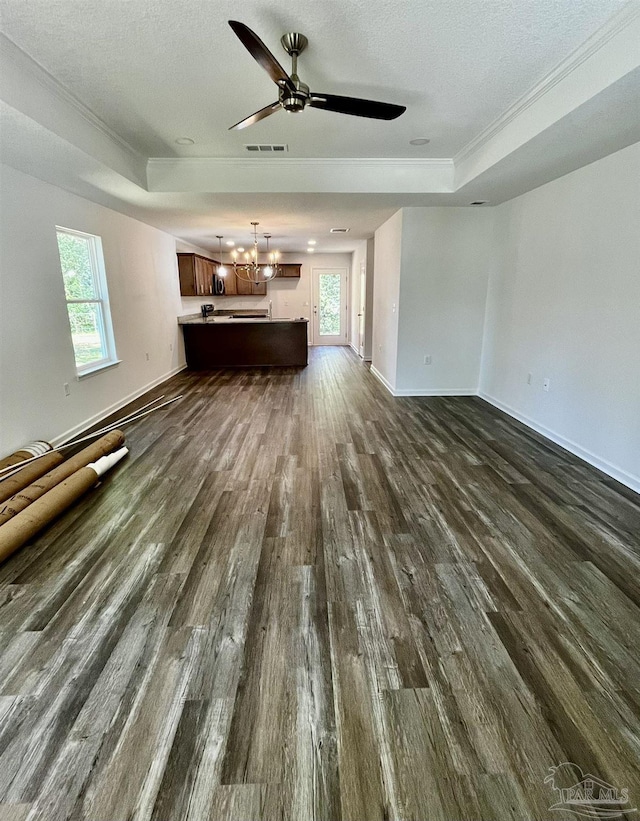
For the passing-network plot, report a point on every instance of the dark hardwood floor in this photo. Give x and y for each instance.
(300, 598)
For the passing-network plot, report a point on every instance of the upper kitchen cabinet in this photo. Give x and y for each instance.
(236, 286)
(289, 270)
(196, 275)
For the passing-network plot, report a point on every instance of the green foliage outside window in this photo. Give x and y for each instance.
(85, 318)
(330, 304)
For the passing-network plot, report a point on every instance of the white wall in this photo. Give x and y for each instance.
(433, 265)
(447, 255)
(291, 297)
(386, 297)
(564, 304)
(359, 257)
(36, 354)
(368, 326)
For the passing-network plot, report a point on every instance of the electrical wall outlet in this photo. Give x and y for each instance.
(546, 385)
(427, 359)
(67, 389)
(147, 355)
(529, 378)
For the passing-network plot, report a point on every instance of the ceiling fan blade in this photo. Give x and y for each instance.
(267, 111)
(356, 106)
(261, 54)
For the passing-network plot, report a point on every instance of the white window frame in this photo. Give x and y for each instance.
(102, 300)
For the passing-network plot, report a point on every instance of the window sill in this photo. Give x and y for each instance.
(93, 371)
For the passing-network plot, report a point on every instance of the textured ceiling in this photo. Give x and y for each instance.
(156, 70)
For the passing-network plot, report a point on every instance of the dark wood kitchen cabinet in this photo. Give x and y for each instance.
(196, 275)
(245, 344)
(198, 278)
(290, 270)
(236, 286)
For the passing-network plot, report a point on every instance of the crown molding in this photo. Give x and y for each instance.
(305, 162)
(613, 27)
(26, 63)
(339, 175)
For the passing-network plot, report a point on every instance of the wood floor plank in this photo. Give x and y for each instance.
(302, 598)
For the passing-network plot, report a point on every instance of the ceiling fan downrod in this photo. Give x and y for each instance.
(294, 44)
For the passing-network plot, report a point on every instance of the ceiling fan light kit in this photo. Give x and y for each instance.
(293, 94)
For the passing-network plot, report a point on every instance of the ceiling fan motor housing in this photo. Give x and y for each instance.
(291, 101)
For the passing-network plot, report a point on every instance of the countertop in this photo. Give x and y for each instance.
(196, 319)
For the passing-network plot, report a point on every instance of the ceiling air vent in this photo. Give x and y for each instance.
(338, 230)
(479, 202)
(267, 148)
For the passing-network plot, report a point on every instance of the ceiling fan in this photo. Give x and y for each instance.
(293, 94)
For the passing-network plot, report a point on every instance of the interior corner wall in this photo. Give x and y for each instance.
(564, 305)
(36, 353)
(358, 259)
(368, 308)
(447, 256)
(386, 296)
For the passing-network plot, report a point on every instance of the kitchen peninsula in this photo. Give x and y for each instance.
(243, 339)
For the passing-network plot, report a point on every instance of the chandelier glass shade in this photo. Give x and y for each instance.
(247, 266)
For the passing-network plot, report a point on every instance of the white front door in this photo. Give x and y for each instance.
(330, 306)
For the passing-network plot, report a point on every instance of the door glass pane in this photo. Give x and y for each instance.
(329, 304)
(87, 332)
(77, 268)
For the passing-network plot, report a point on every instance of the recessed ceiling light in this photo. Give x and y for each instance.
(185, 141)
(310, 250)
(419, 141)
(311, 242)
(241, 250)
(230, 242)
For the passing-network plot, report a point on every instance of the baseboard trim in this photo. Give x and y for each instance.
(627, 479)
(91, 421)
(435, 392)
(381, 379)
(358, 354)
(421, 391)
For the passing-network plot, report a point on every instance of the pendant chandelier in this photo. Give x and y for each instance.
(248, 266)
